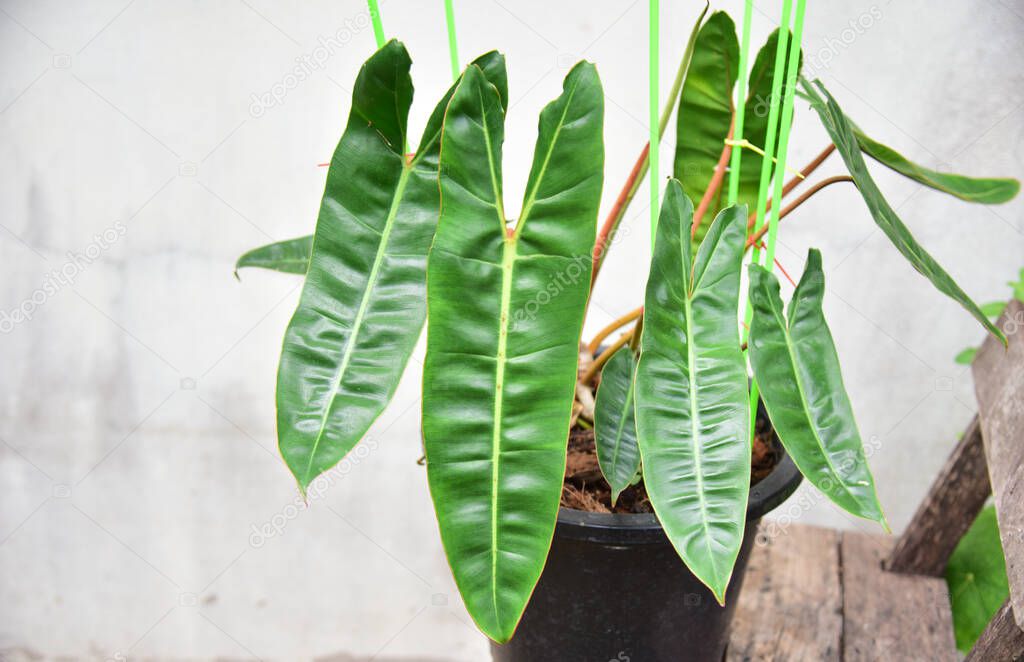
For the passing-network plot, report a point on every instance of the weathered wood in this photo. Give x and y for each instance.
(1010, 514)
(1002, 639)
(954, 500)
(999, 386)
(889, 616)
(791, 604)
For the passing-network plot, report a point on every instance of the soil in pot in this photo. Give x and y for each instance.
(586, 489)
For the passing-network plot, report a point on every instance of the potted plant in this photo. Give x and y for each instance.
(669, 470)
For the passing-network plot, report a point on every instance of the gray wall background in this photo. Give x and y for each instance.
(138, 463)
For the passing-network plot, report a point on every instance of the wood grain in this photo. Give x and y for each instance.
(1001, 640)
(889, 616)
(999, 387)
(956, 497)
(791, 604)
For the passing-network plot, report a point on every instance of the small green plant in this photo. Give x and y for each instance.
(406, 237)
(976, 576)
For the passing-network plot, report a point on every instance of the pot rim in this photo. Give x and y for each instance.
(643, 528)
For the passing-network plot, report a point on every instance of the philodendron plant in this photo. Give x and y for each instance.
(406, 237)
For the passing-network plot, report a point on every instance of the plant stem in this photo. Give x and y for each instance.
(611, 328)
(638, 328)
(618, 210)
(715, 183)
(639, 171)
(756, 237)
(592, 371)
(808, 169)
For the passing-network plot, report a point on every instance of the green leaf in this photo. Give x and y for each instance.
(1018, 287)
(705, 105)
(796, 366)
(841, 131)
(986, 190)
(363, 301)
(506, 313)
(755, 118)
(966, 356)
(976, 576)
(692, 411)
(290, 256)
(615, 422)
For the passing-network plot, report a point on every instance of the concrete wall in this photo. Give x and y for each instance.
(136, 410)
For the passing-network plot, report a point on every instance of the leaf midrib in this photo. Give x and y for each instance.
(357, 323)
(507, 265)
(698, 459)
(508, 257)
(623, 417)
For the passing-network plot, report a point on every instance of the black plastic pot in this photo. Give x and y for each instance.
(614, 590)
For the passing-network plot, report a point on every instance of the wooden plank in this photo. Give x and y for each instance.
(956, 497)
(791, 604)
(1001, 640)
(889, 616)
(999, 387)
(1010, 514)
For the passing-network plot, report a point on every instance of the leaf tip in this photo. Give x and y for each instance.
(879, 517)
(998, 333)
(303, 492)
(1012, 189)
(498, 632)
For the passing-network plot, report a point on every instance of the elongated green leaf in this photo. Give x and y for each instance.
(290, 256)
(797, 369)
(976, 576)
(615, 422)
(363, 301)
(705, 104)
(842, 134)
(755, 118)
(692, 410)
(506, 312)
(986, 190)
